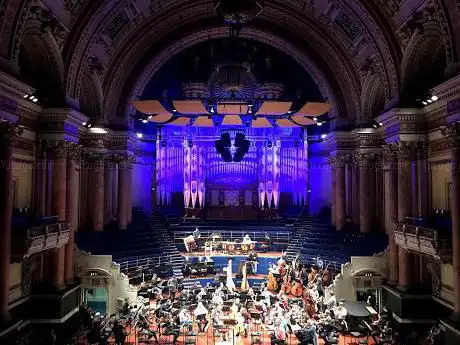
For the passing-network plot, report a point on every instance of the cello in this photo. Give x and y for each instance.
(297, 288)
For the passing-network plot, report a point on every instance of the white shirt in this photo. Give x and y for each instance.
(200, 310)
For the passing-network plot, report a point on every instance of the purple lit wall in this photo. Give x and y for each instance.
(187, 162)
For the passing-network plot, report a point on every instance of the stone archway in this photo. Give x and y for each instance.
(339, 109)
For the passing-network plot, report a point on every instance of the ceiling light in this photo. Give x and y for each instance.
(25, 96)
(212, 110)
(174, 111)
(31, 97)
(139, 135)
(429, 100)
(144, 121)
(98, 130)
(290, 112)
(323, 136)
(84, 123)
(315, 119)
(35, 100)
(319, 124)
(380, 124)
(149, 117)
(89, 126)
(434, 98)
(425, 103)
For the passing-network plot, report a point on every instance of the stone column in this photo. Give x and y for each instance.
(108, 189)
(406, 260)
(366, 162)
(355, 193)
(40, 180)
(453, 133)
(331, 161)
(95, 166)
(390, 157)
(125, 163)
(130, 193)
(7, 132)
(340, 202)
(71, 209)
(58, 152)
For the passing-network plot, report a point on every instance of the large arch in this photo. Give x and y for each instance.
(161, 58)
(298, 22)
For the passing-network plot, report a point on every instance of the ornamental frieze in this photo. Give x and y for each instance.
(57, 148)
(9, 131)
(452, 134)
(49, 23)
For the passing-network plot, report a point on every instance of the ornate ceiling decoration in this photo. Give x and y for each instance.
(356, 46)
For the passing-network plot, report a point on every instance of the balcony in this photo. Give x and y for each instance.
(39, 238)
(424, 240)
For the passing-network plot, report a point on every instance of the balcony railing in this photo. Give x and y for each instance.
(40, 238)
(423, 240)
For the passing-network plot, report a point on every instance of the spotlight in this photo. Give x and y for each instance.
(31, 97)
(424, 103)
(144, 121)
(249, 111)
(319, 124)
(434, 98)
(84, 123)
(89, 125)
(149, 117)
(315, 119)
(380, 124)
(174, 111)
(212, 110)
(35, 100)
(429, 100)
(139, 135)
(374, 125)
(289, 112)
(98, 130)
(25, 96)
(323, 136)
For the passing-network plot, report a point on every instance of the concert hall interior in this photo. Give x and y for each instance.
(231, 172)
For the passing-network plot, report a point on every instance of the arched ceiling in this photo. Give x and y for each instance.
(351, 48)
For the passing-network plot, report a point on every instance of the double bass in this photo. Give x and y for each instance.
(286, 286)
(244, 282)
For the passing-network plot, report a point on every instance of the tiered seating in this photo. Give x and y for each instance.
(146, 238)
(315, 239)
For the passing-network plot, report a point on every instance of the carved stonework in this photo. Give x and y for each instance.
(57, 148)
(93, 159)
(95, 66)
(434, 267)
(74, 151)
(390, 153)
(366, 159)
(124, 159)
(8, 131)
(406, 150)
(452, 133)
(49, 23)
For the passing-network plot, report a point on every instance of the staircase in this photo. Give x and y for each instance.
(159, 226)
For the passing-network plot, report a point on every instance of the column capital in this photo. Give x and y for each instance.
(452, 132)
(94, 157)
(406, 150)
(9, 130)
(124, 159)
(340, 160)
(365, 159)
(57, 148)
(74, 151)
(390, 153)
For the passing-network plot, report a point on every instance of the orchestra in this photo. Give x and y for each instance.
(295, 299)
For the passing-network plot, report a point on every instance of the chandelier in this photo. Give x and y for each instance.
(238, 12)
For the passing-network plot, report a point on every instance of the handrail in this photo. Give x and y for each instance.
(417, 230)
(258, 236)
(144, 263)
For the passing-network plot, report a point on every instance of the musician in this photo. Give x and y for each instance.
(247, 239)
(185, 319)
(201, 312)
(201, 294)
(308, 334)
(341, 313)
(197, 233)
(253, 258)
(267, 246)
(172, 284)
(119, 333)
(279, 336)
